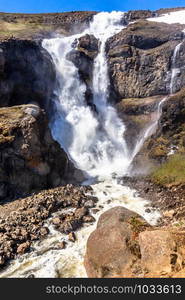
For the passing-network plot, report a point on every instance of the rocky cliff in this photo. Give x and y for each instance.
(30, 160)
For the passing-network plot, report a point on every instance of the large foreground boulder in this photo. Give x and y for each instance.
(30, 159)
(124, 245)
(112, 248)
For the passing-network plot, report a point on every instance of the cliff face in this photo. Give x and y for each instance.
(140, 58)
(30, 160)
(23, 68)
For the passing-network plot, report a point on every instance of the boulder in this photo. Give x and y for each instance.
(124, 245)
(112, 248)
(157, 250)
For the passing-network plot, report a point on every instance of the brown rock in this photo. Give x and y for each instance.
(22, 248)
(157, 248)
(2, 260)
(110, 248)
(89, 219)
(40, 163)
(72, 237)
(56, 221)
(80, 212)
(44, 231)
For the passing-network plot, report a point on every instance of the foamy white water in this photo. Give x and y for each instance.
(93, 141)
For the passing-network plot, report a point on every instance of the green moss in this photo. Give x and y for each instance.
(171, 172)
(137, 224)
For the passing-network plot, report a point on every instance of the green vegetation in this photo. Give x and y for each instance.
(171, 172)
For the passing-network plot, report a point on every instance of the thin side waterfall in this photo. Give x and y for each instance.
(175, 71)
(153, 126)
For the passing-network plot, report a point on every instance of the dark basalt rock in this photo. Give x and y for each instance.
(140, 59)
(133, 15)
(30, 160)
(23, 68)
(83, 55)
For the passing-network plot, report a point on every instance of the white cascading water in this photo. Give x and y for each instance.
(95, 144)
(93, 141)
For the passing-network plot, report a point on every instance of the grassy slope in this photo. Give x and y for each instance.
(172, 172)
(35, 25)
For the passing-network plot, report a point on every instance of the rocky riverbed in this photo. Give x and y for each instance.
(23, 221)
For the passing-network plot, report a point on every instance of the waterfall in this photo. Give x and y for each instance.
(152, 127)
(94, 142)
(175, 71)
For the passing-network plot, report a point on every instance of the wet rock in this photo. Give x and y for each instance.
(89, 204)
(56, 221)
(95, 210)
(22, 248)
(80, 212)
(63, 245)
(83, 55)
(22, 221)
(31, 276)
(88, 219)
(2, 260)
(44, 231)
(72, 237)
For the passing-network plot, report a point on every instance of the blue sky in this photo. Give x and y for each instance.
(37, 6)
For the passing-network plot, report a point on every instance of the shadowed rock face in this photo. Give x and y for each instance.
(30, 160)
(83, 55)
(26, 73)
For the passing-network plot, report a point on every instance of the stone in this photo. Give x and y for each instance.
(89, 204)
(88, 219)
(2, 260)
(44, 231)
(95, 210)
(22, 248)
(111, 248)
(62, 245)
(72, 237)
(56, 221)
(157, 248)
(80, 212)
(140, 59)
